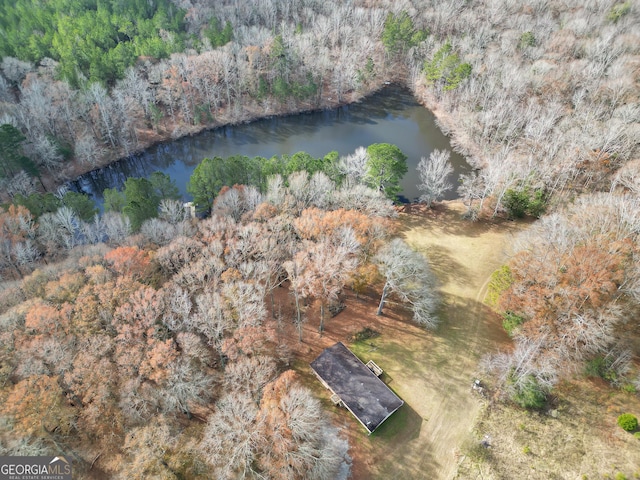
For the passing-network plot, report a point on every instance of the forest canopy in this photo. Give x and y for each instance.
(158, 326)
(156, 338)
(93, 40)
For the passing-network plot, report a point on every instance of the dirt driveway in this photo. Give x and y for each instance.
(433, 372)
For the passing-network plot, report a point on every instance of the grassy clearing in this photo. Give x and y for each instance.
(432, 371)
(576, 438)
(437, 434)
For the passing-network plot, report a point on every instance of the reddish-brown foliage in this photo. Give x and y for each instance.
(250, 340)
(93, 383)
(158, 356)
(586, 277)
(314, 224)
(129, 261)
(42, 318)
(364, 276)
(38, 406)
(86, 312)
(569, 297)
(114, 293)
(97, 274)
(16, 223)
(264, 212)
(46, 319)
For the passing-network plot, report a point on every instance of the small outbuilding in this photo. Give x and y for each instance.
(356, 386)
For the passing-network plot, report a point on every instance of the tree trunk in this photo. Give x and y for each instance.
(298, 319)
(321, 329)
(385, 291)
(43, 187)
(273, 304)
(218, 347)
(17, 269)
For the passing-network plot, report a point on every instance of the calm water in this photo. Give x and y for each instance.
(390, 116)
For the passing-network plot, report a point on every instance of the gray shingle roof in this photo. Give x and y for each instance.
(361, 391)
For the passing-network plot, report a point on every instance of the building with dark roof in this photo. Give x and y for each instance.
(356, 386)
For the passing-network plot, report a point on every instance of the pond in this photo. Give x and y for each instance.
(390, 116)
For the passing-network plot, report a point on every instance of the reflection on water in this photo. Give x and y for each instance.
(391, 116)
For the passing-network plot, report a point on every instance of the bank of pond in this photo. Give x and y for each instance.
(390, 116)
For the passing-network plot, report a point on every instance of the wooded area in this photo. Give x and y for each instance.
(541, 98)
(142, 324)
(175, 333)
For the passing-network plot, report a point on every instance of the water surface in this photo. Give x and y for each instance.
(390, 116)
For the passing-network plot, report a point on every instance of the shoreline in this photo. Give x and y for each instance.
(252, 111)
(249, 115)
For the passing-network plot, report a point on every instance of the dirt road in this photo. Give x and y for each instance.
(433, 372)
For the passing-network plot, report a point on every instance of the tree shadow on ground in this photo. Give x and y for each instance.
(449, 219)
(481, 334)
(443, 265)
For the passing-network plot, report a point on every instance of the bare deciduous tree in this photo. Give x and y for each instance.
(320, 190)
(233, 436)
(100, 98)
(186, 384)
(299, 443)
(286, 436)
(46, 152)
(434, 173)
(177, 315)
(88, 150)
(272, 250)
(158, 231)
(27, 252)
(328, 265)
(364, 199)
(296, 268)
(172, 211)
(275, 190)
(116, 226)
(524, 370)
(354, 166)
(21, 183)
(250, 375)
(180, 252)
(237, 201)
(15, 70)
(408, 276)
(60, 229)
